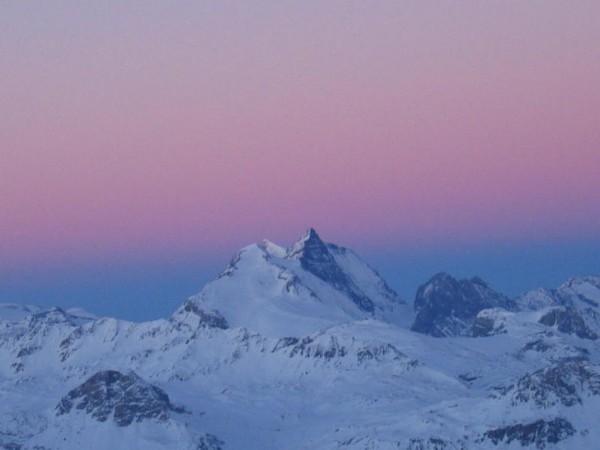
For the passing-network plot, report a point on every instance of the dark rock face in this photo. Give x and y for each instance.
(569, 321)
(231, 267)
(434, 443)
(210, 319)
(537, 345)
(315, 258)
(330, 349)
(378, 353)
(539, 433)
(285, 343)
(565, 383)
(191, 316)
(447, 307)
(13, 446)
(124, 398)
(209, 442)
(557, 351)
(308, 348)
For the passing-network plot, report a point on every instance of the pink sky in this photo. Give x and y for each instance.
(169, 126)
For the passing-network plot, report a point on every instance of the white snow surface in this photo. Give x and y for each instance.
(299, 367)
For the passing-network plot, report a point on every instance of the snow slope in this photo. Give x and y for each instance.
(302, 348)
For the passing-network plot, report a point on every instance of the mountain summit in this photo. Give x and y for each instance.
(310, 246)
(316, 258)
(297, 290)
(447, 307)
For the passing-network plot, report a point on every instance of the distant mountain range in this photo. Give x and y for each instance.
(307, 347)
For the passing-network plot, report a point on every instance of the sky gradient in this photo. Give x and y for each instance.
(143, 143)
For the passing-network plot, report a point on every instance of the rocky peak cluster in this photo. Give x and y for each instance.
(122, 398)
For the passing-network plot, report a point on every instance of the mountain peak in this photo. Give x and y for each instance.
(123, 397)
(279, 291)
(311, 233)
(445, 306)
(309, 245)
(315, 257)
(441, 277)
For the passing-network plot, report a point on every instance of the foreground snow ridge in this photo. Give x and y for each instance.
(307, 347)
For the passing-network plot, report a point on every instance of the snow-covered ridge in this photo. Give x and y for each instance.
(12, 312)
(299, 290)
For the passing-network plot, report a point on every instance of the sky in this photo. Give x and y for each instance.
(142, 143)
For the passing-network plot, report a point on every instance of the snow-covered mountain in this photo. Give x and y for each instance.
(296, 291)
(306, 347)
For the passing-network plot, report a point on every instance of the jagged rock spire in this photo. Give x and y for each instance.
(309, 245)
(315, 258)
